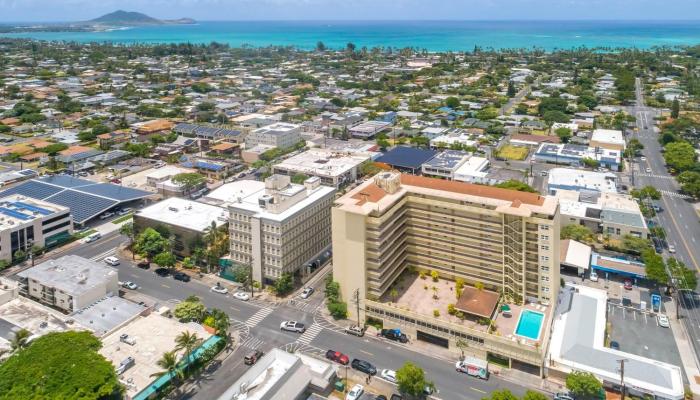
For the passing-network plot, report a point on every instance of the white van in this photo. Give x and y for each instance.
(92, 237)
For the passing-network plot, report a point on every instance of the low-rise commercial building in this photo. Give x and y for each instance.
(280, 135)
(69, 283)
(445, 164)
(577, 155)
(277, 227)
(608, 139)
(186, 220)
(333, 168)
(26, 222)
(580, 180)
(368, 129)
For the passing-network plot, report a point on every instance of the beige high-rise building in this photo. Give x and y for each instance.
(503, 242)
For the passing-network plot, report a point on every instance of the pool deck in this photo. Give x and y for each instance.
(508, 325)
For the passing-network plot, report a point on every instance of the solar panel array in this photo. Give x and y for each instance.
(34, 208)
(86, 199)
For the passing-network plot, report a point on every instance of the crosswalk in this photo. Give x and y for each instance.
(258, 316)
(104, 255)
(310, 334)
(671, 193)
(252, 343)
(657, 176)
(302, 305)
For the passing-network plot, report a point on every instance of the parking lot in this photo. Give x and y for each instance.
(639, 333)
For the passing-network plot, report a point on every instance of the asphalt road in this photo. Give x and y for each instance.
(678, 217)
(257, 322)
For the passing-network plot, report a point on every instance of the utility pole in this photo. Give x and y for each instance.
(622, 377)
(356, 299)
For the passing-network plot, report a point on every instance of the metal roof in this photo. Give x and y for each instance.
(406, 157)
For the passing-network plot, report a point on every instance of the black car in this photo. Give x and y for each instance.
(394, 334)
(162, 272)
(380, 397)
(181, 276)
(396, 397)
(363, 366)
(144, 264)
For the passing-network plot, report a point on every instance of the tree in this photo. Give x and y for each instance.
(675, 109)
(452, 102)
(283, 284)
(564, 134)
(513, 184)
(690, 183)
(60, 365)
(187, 341)
(192, 309)
(635, 244)
(583, 385)
(128, 231)
(165, 259)
(654, 267)
(221, 321)
(168, 362)
(138, 149)
(680, 155)
(686, 278)
(511, 92)
(552, 104)
(188, 180)
(504, 394)
(149, 243)
(576, 232)
(411, 379)
(350, 47)
(320, 46)
(552, 116)
(20, 340)
(533, 395)
(590, 163)
(646, 192)
(487, 113)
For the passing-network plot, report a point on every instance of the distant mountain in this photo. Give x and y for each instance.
(130, 18)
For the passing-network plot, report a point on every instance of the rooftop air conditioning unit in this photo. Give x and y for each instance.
(173, 209)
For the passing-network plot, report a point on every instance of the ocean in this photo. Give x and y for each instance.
(429, 35)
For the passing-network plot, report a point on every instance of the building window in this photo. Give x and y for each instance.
(544, 258)
(544, 247)
(544, 237)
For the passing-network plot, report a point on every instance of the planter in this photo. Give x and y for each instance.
(209, 329)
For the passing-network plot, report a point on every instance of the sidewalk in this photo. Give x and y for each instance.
(685, 348)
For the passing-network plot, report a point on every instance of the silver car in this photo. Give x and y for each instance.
(293, 326)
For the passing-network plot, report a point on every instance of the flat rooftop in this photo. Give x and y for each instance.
(185, 213)
(278, 128)
(320, 162)
(71, 274)
(107, 314)
(605, 182)
(577, 343)
(448, 159)
(17, 209)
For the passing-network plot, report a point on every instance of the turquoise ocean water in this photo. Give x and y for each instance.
(430, 35)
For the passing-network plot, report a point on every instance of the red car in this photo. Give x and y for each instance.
(337, 357)
(628, 284)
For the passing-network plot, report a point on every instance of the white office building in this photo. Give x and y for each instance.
(280, 135)
(26, 222)
(334, 168)
(277, 226)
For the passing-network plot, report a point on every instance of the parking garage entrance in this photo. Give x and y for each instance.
(436, 340)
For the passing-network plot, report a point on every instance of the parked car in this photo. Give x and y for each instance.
(126, 364)
(181, 276)
(628, 284)
(663, 321)
(162, 272)
(389, 375)
(241, 296)
(363, 366)
(130, 285)
(159, 164)
(307, 292)
(125, 338)
(593, 276)
(380, 397)
(355, 393)
(396, 397)
(671, 248)
(648, 170)
(563, 396)
(394, 334)
(355, 330)
(93, 237)
(544, 173)
(643, 158)
(615, 345)
(219, 289)
(252, 357)
(144, 264)
(124, 211)
(293, 326)
(106, 215)
(113, 261)
(338, 357)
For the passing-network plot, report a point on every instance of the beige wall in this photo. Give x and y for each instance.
(349, 256)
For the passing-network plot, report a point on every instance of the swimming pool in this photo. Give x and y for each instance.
(529, 324)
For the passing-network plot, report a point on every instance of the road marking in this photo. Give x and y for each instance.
(367, 352)
(477, 390)
(234, 308)
(310, 334)
(258, 316)
(165, 286)
(685, 243)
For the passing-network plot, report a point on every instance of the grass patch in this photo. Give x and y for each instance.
(510, 152)
(83, 234)
(492, 358)
(123, 218)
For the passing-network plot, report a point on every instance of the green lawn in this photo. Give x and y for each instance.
(122, 218)
(80, 235)
(510, 152)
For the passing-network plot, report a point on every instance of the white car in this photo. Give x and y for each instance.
(307, 293)
(113, 261)
(355, 393)
(130, 285)
(388, 375)
(219, 289)
(292, 326)
(671, 248)
(107, 215)
(593, 276)
(124, 211)
(663, 321)
(241, 296)
(643, 158)
(648, 170)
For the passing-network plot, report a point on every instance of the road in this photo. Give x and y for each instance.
(505, 109)
(678, 217)
(257, 323)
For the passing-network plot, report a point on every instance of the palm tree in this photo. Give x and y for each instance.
(221, 322)
(169, 363)
(128, 231)
(19, 341)
(187, 341)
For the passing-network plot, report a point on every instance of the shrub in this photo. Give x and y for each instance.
(338, 310)
(451, 309)
(434, 275)
(422, 274)
(436, 313)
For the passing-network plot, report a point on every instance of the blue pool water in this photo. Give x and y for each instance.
(529, 324)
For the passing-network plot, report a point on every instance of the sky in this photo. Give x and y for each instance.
(231, 10)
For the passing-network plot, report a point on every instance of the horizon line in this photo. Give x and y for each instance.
(697, 20)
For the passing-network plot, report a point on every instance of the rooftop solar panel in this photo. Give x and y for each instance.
(15, 214)
(31, 207)
(65, 181)
(33, 189)
(83, 206)
(114, 192)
